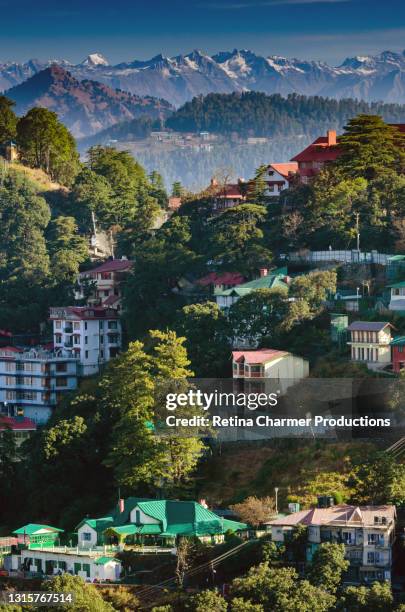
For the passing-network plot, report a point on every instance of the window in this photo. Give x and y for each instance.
(58, 338)
(10, 380)
(101, 339)
(106, 293)
(86, 354)
(347, 537)
(102, 354)
(138, 517)
(112, 325)
(85, 325)
(58, 324)
(61, 381)
(86, 339)
(86, 536)
(86, 568)
(76, 325)
(10, 367)
(76, 339)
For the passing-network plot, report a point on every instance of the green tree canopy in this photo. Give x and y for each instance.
(327, 566)
(256, 317)
(280, 590)
(8, 120)
(47, 144)
(207, 334)
(370, 147)
(66, 247)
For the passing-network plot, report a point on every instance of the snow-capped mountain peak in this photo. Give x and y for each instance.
(95, 59)
(180, 78)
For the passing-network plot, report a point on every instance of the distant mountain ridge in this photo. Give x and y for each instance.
(178, 79)
(86, 106)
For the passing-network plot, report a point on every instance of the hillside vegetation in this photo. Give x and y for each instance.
(255, 113)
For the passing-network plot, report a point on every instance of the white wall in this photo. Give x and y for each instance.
(144, 518)
(87, 543)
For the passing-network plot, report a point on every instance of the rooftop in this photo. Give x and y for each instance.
(259, 356)
(226, 278)
(324, 148)
(17, 423)
(340, 514)
(375, 326)
(285, 169)
(82, 313)
(36, 529)
(111, 265)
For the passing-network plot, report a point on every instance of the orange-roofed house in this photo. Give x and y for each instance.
(311, 160)
(279, 176)
(368, 533)
(227, 195)
(268, 363)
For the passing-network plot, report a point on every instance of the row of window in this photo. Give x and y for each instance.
(29, 366)
(30, 381)
(364, 354)
(76, 325)
(365, 336)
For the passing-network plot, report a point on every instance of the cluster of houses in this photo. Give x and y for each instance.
(150, 526)
(140, 524)
(33, 379)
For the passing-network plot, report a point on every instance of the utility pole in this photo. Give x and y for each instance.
(357, 215)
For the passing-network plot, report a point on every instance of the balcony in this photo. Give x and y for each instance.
(68, 329)
(68, 344)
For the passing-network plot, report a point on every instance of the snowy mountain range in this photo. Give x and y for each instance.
(180, 78)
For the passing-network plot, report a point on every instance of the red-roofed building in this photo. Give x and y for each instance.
(311, 160)
(21, 427)
(278, 177)
(221, 282)
(269, 363)
(103, 285)
(228, 195)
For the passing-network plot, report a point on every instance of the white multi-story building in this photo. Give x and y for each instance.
(367, 532)
(92, 334)
(33, 381)
(370, 343)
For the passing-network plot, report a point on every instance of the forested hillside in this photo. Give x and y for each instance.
(255, 113)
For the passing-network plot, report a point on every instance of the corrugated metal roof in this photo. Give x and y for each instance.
(368, 325)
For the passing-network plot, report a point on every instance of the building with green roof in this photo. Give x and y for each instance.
(139, 520)
(34, 534)
(273, 279)
(397, 301)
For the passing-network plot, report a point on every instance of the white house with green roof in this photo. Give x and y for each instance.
(269, 279)
(140, 520)
(397, 301)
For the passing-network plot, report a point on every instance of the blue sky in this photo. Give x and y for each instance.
(328, 30)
